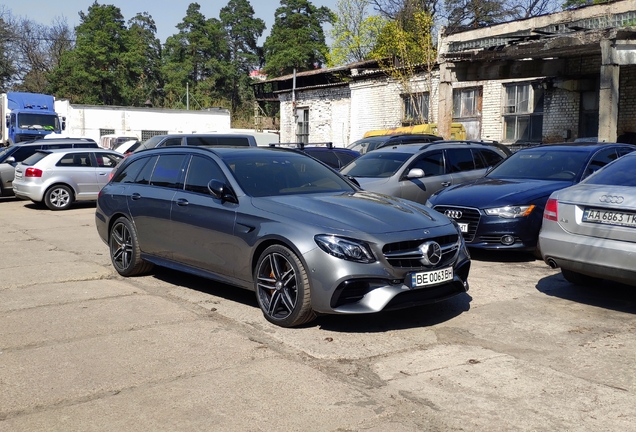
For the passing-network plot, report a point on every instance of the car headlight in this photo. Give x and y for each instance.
(345, 248)
(428, 204)
(510, 212)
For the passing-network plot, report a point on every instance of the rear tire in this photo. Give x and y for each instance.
(58, 197)
(125, 253)
(282, 288)
(579, 278)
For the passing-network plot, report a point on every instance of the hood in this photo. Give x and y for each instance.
(486, 192)
(372, 183)
(349, 212)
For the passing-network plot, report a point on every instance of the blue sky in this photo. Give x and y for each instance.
(167, 14)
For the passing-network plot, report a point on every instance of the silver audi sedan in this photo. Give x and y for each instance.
(589, 230)
(275, 221)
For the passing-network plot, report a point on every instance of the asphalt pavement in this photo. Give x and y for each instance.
(83, 349)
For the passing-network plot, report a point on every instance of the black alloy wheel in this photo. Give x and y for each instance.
(124, 249)
(282, 288)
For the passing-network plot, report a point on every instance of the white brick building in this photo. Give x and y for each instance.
(547, 79)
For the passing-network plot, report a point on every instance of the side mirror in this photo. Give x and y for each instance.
(10, 160)
(8, 121)
(221, 191)
(63, 123)
(415, 173)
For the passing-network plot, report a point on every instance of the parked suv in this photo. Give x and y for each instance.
(365, 145)
(10, 156)
(335, 157)
(59, 177)
(282, 224)
(416, 171)
(206, 140)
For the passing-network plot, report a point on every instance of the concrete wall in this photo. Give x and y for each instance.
(627, 100)
(87, 120)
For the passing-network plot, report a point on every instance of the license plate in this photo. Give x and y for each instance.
(431, 278)
(463, 227)
(609, 217)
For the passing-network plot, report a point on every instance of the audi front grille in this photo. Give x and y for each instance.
(465, 215)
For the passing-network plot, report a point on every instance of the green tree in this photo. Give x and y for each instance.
(573, 4)
(196, 60)
(404, 49)
(395, 9)
(144, 60)
(297, 39)
(354, 32)
(95, 71)
(243, 31)
(467, 14)
(7, 68)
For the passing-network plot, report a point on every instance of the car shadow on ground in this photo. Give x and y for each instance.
(605, 294)
(75, 206)
(501, 256)
(417, 316)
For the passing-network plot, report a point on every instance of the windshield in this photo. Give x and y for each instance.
(47, 122)
(542, 164)
(6, 152)
(283, 173)
(376, 164)
(622, 172)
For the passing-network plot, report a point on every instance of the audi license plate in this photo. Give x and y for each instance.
(431, 278)
(609, 217)
(463, 227)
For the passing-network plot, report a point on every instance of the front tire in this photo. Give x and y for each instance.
(124, 249)
(579, 278)
(282, 287)
(58, 197)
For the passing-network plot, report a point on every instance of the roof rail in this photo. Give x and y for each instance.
(301, 145)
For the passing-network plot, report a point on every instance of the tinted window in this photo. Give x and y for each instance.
(490, 157)
(432, 163)
(233, 141)
(325, 156)
(151, 142)
(57, 146)
(601, 159)
(130, 172)
(146, 172)
(35, 158)
(168, 171)
(171, 142)
(620, 173)
(85, 145)
(24, 152)
(345, 158)
(201, 141)
(460, 159)
(200, 172)
(75, 160)
(541, 164)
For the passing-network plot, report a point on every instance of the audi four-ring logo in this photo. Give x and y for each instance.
(611, 199)
(455, 214)
(431, 253)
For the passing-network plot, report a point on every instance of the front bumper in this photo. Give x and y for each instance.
(345, 287)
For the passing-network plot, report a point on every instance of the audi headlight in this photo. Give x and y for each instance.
(345, 248)
(510, 212)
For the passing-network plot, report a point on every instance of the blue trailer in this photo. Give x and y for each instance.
(28, 116)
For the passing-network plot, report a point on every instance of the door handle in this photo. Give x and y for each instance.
(135, 196)
(182, 202)
(446, 184)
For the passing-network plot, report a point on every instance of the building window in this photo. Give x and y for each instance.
(415, 108)
(523, 113)
(146, 134)
(302, 125)
(466, 103)
(588, 125)
(103, 132)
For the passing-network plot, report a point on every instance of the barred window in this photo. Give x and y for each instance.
(145, 134)
(415, 108)
(103, 132)
(302, 126)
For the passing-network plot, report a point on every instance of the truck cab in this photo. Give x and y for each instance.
(27, 116)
